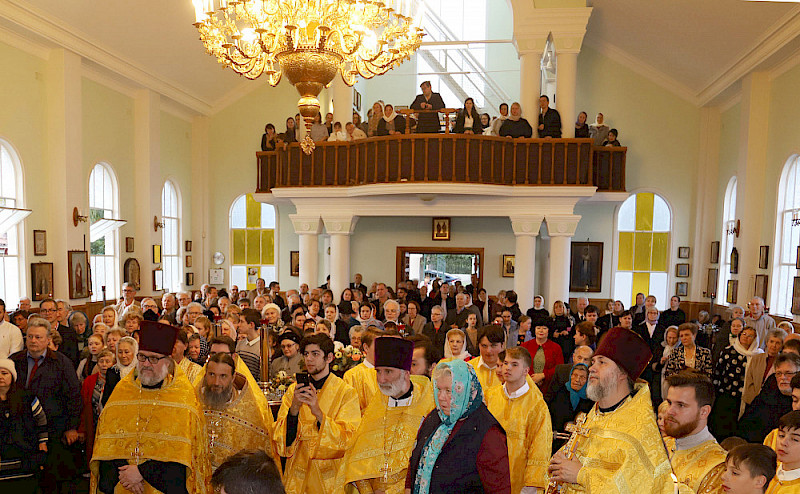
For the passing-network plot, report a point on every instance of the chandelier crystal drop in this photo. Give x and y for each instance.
(308, 41)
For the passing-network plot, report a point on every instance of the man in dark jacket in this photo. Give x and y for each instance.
(428, 100)
(774, 400)
(652, 331)
(49, 376)
(51, 310)
(549, 119)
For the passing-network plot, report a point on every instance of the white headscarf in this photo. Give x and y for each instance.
(124, 370)
(391, 117)
(448, 353)
(747, 352)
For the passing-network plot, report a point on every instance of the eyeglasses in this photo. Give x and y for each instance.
(785, 374)
(152, 360)
(47, 311)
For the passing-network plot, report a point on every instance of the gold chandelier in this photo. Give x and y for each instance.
(308, 41)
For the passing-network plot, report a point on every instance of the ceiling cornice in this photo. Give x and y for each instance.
(24, 43)
(51, 30)
(642, 68)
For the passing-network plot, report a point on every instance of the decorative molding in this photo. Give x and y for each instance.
(791, 61)
(731, 102)
(438, 189)
(308, 225)
(526, 225)
(24, 43)
(340, 225)
(532, 27)
(644, 69)
(56, 32)
(239, 91)
(562, 225)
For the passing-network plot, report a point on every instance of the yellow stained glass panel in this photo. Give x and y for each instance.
(239, 254)
(625, 262)
(642, 247)
(660, 246)
(253, 212)
(267, 246)
(253, 247)
(641, 284)
(251, 279)
(644, 211)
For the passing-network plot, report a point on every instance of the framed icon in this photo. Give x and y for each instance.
(129, 244)
(79, 279)
(763, 257)
(715, 252)
(733, 288)
(682, 289)
(188, 261)
(586, 267)
(508, 265)
(189, 279)
(796, 296)
(131, 273)
(41, 280)
(156, 254)
(158, 279)
(682, 270)
(39, 243)
(683, 252)
(711, 282)
(187, 246)
(762, 281)
(441, 229)
(294, 263)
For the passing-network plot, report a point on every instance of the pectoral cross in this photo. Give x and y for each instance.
(385, 470)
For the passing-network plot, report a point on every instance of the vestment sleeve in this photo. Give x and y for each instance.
(337, 431)
(279, 434)
(538, 444)
(712, 482)
(492, 462)
(626, 469)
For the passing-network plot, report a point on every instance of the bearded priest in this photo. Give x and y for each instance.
(151, 435)
(378, 460)
(618, 448)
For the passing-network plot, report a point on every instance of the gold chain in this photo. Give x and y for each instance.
(387, 451)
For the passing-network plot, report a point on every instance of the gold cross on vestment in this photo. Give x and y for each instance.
(385, 471)
(576, 428)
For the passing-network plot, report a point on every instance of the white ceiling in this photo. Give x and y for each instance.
(693, 43)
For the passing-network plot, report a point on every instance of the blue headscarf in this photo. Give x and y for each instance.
(466, 397)
(576, 396)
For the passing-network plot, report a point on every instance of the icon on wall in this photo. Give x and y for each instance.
(441, 229)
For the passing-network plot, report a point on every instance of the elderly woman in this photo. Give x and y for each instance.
(456, 347)
(569, 401)
(23, 433)
(110, 316)
(460, 446)
(436, 330)
(688, 355)
(546, 355)
(78, 322)
(131, 319)
(127, 348)
(761, 366)
(729, 381)
(413, 320)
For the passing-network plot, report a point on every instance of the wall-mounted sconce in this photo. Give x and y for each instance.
(77, 217)
(733, 230)
(157, 224)
(795, 217)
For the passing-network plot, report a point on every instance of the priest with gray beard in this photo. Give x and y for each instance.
(234, 420)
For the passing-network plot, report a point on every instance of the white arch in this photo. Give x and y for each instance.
(13, 279)
(726, 242)
(786, 241)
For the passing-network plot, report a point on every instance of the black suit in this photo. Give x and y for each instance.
(654, 342)
(69, 344)
(428, 122)
(361, 287)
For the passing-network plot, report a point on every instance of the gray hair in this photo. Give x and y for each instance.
(437, 308)
(39, 322)
(776, 333)
(169, 295)
(357, 330)
(192, 305)
(391, 302)
(76, 318)
(441, 371)
(67, 307)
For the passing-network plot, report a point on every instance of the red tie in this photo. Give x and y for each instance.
(33, 371)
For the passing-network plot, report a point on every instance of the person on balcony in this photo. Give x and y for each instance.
(428, 123)
(581, 127)
(611, 140)
(549, 119)
(354, 133)
(516, 126)
(391, 123)
(599, 130)
(338, 134)
(486, 122)
(374, 117)
(468, 121)
(497, 122)
(290, 135)
(362, 126)
(269, 138)
(319, 132)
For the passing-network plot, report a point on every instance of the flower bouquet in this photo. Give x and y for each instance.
(345, 359)
(277, 386)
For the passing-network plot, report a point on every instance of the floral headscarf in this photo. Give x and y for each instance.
(466, 398)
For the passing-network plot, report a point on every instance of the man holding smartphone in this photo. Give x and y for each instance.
(317, 421)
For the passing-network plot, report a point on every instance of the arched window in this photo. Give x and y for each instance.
(726, 241)
(12, 281)
(104, 255)
(252, 242)
(644, 222)
(787, 239)
(170, 237)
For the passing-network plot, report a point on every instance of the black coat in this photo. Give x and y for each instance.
(552, 123)
(516, 128)
(56, 385)
(69, 344)
(429, 122)
(439, 338)
(561, 412)
(476, 122)
(762, 415)
(399, 126)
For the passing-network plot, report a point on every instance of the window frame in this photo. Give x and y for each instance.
(780, 296)
(19, 229)
(726, 243)
(166, 257)
(113, 285)
(276, 250)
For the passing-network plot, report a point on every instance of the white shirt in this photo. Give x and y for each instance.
(10, 339)
(651, 328)
(368, 364)
(394, 403)
(481, 363)
(520, 392)
(787, 475)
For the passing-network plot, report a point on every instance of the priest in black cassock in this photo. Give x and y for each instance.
(428, 123)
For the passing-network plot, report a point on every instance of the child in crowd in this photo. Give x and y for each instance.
(787, 478)
(749, 468)
(86, 366)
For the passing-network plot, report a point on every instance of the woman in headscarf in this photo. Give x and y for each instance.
(460, 446)
(127, 348)
(569, 401)
(516, 126)
(669, 344)
(728, 380)
(365, 316)
(391, 123)
(538, 311)
(456, 347)
(375, 117)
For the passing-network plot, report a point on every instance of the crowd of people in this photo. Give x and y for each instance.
(382, 120)
(454, 391)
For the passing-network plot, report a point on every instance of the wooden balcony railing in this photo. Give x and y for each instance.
(454, 158)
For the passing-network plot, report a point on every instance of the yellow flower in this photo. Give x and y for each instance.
(338, 354)
(336, 367)
(282, 387)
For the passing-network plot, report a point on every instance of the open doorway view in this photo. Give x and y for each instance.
(426, 264)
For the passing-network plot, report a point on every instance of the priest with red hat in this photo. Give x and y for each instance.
(151, 434)
(618, 448)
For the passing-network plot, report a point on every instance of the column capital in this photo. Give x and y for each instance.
(562, 225)
(532, 27)
(309, 225)
(340, 224)
(526, 224)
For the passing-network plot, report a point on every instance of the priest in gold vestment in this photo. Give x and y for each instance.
(520, 408)
(379, 456)
(151, 435)
(696, 458)
(362, 377)
(317, 421)
(234, 420)
(618, 449)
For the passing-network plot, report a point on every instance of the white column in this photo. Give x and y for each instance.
(342, 101)
(705, 218)
(147, 180)
(200, 205)
(67, 176)
(308, 229)
(561, 229)
(530, 82)
(340, 228)
(526, 229)
(566, 79)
